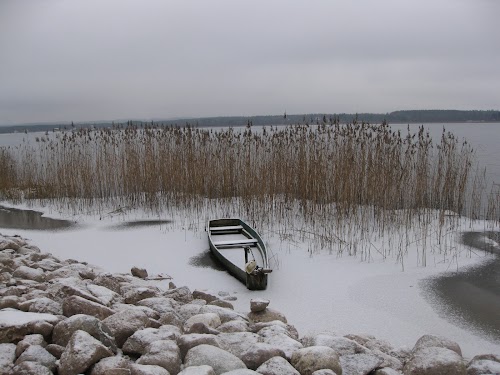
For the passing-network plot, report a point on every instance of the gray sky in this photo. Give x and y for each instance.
(80, 60)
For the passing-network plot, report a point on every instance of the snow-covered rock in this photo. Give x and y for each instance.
(307, 360)
(7, 355)
(31, 368)
(137, 369)
(139, 341)
(359, 364)
(277, 366)
(266, 315)
(191, 340)
(123, 324)
(28, 340)
(225, 315)
(105, 295)
(36, 353)
(233, 326)
(211, 320)
(137, 294)
(42, 305)
(283, 342)
(324, 372)
(82, 351)
(93, 326)
(163, 353)
(160, 304)
(483, 366)
(222, 303)
(198, 370)
(237, 343)
(29, 273)
(435, 361)
(109, 365)
(220, 360)
(258, 304)
(139, 272)
(181, 294)
(241, 372)
(259, 353)
(74, 305)
(428, 341)
(208, 297)
(342, 345)
(15, 324)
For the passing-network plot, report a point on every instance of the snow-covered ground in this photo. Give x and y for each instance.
(319, 292)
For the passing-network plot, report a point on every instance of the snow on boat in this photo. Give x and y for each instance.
(241, 250)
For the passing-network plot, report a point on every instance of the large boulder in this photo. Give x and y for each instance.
(36, 353)
(428, 341)
(107, 296)
(77, 305)
(191, 340)
(29, 340)
(135, 295)
(82, 351)
(307, 360)
(29, 273)
(211, 320)
(7, 355)
(181, 294)
(359, 364)
(137, 369)
(198, 370)
(15, 324)
(42, 305)
(64, 330)
(237, 343)
(283, 342)
(342, 345)
(266, 315)
(30, 368)
(220, 360)
(207, 297)
(277, 366)
(109, 281)
(160, 304)
(139, 341)
(111, 365)
(233, 326)
(435, 361)
(163, 353)
(225, 315)
(123, 324)
(483, 366)
(259, 353)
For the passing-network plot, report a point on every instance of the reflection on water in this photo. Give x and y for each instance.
(471, 298)
(13, 218)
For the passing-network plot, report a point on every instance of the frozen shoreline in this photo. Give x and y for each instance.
(319, 292)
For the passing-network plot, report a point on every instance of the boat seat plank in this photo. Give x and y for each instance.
(248, 241)
(232, 227)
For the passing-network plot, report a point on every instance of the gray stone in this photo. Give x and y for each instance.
(198, 370)
(208, 297)
(259, 353)
(43, 305)
(7, 354)
(55, 350)
(359, 364)
(160, 304)
(139, 341)
(211, 320)
(225, 315)
(220, 360)
(283, 342)
(324, 372)
(428, 341)
(77, 305)
(105, 295)
(90, 324)
(30, 368)
(171, 318)
(106, 365)
(237, 343)
(386, 371)
(28, 340)
(233, 326)
(123, 324)
(109, 281)
(29, 273)
(266, 315)
(222, 303)
(152, 314)
(241, 372)
(15, 324)
(277, 366)
(258, 304)
(342, 345)
(189, 341)
(137, 369)
(307, 360)
(36, 353)
(137, 294)
(163, 353)
(483, 366)
(435, 361)
(181, 294)
(139, 272)
(81, 352)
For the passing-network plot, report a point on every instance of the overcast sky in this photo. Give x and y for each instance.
(78, 60)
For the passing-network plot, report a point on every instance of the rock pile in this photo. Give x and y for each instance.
(68, 317)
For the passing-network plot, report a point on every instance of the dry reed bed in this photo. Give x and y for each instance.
(345, 184)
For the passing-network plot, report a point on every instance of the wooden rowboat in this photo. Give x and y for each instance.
(241, 250)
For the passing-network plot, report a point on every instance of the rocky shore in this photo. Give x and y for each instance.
(67, 317)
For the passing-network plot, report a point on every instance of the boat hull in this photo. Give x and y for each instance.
(220, 229)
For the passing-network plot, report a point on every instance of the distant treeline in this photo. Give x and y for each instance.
(407, 116)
